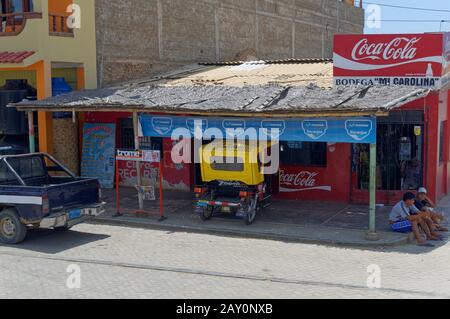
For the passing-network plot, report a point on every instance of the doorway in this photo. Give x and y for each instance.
(400, 154)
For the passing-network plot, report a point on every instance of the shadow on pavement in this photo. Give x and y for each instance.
(53, 242)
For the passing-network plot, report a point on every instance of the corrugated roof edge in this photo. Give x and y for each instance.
(282, 61)
(109, 99)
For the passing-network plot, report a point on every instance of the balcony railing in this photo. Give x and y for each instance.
(58, 25)
(13, 23)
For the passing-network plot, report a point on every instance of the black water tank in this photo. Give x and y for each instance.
(13, 122)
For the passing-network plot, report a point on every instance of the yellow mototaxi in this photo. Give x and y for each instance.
(234, 181)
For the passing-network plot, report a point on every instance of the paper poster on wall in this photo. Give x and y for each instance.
(99, 143)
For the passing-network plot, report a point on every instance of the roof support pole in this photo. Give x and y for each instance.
(138, 164)
(372, 234)
(31, 132)
(45, 118)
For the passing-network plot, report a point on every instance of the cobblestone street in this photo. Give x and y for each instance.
(121, 262)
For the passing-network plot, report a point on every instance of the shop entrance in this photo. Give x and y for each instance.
(400, 156)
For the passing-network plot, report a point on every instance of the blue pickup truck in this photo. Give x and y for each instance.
(36, 191)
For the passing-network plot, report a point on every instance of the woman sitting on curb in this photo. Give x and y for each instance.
(404, 218)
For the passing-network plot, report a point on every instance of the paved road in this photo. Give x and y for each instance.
(121, 262)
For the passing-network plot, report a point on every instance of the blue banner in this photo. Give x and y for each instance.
(99, 144)
(337, 130)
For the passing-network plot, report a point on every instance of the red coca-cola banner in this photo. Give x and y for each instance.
(389, 59)
(295, 180)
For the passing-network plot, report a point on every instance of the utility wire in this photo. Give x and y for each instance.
(408, 8)
(412, 21)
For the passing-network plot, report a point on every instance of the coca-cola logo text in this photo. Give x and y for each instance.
(400, 48)
(301, 179)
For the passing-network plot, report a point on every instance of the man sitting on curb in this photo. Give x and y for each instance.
(427, 208)
(404, 218)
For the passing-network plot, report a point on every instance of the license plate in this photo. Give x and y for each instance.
(226, 210)
(76, 213)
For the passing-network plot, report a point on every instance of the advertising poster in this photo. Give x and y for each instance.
(389, 59)
(347, 130)
(99, 143)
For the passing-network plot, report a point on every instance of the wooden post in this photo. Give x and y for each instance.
(31, 133)
(138, 164)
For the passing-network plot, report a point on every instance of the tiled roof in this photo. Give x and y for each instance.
(14, 57)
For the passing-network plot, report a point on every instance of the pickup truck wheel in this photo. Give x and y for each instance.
(12, 231)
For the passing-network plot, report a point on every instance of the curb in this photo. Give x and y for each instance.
(241, 234)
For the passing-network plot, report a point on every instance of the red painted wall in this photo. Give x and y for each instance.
(442, 166)
(431, 143)
(333, 181)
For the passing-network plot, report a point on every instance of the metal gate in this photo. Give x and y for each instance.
(399, 152)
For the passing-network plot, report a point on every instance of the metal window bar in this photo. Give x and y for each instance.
(390, 166)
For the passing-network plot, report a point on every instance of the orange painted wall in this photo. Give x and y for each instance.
(58, 6)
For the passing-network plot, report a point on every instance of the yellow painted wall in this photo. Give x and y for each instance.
(69, 74)
(17, 75)
(80, 49)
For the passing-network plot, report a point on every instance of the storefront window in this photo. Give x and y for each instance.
(303, 154)
(127, 134)
(127, 138)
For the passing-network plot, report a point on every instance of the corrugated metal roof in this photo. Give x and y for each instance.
(14, 57)
(282, 61)
(263, 99)
(275, 89)
(260, 73)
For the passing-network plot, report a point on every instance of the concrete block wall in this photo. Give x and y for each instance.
(137, 38)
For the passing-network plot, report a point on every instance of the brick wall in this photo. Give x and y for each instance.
(137, 38)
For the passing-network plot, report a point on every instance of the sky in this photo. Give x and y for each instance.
(387, 13)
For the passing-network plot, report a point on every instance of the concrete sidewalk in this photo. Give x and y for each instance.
(265, 230)
(308, 222)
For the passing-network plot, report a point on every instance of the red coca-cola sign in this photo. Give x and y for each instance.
(399, 48)
(301, 180)
(390, 59)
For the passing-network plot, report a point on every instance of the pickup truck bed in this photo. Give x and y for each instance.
(38, 198)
